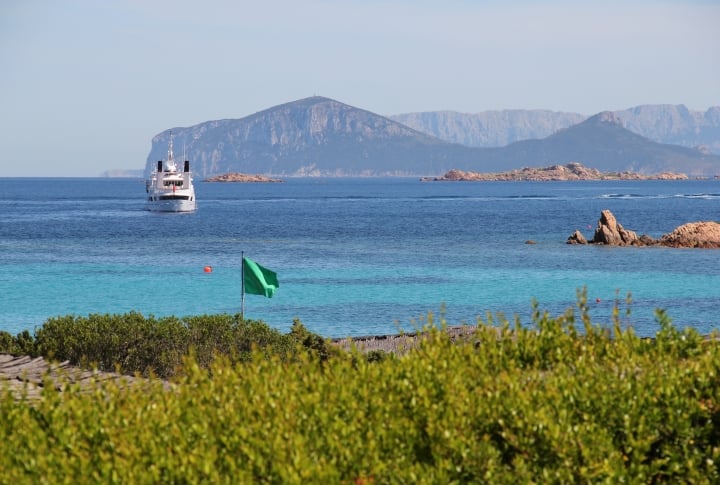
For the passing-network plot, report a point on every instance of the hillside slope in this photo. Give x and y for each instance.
(322, 137)
(312, 136)
(662, 123)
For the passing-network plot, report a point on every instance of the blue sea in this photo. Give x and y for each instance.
(354, 257)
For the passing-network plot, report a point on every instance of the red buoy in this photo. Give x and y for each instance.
(208, 269)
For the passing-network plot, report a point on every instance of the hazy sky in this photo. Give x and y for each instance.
(86, 84)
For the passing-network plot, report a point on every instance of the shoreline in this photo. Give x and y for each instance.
(395, 342)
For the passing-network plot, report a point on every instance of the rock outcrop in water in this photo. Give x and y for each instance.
(570, 171)
(577, 238)
(241, 177)
(704, 234)
(693, 235)
(609, 231)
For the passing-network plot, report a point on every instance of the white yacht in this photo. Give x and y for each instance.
(168, 189)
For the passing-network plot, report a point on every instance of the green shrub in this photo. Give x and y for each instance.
(22, 344)
(133, 343)
(321, 347)
(544, 403)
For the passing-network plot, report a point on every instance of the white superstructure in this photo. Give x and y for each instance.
(169, 190)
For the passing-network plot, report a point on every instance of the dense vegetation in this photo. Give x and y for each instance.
(560, 401)
(133, 343)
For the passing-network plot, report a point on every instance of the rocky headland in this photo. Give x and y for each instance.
(241, 177)
(703, 234)
(571, 171)
(322, 137)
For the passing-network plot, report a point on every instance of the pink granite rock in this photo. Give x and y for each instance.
(702, 234)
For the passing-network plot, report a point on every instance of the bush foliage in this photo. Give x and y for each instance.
(560, 401)
(132, 343)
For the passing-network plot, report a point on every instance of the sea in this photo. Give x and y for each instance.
(355, 256)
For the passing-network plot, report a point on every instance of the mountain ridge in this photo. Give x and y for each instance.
(319, 136)
(603, 142)
(311, 136)
(662, 123)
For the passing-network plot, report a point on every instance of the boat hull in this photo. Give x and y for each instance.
(171, 205)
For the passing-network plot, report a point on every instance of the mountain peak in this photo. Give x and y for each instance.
(607, 117)
(310, 101)
(315, 136)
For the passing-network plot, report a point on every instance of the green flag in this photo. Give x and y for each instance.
(258, 280)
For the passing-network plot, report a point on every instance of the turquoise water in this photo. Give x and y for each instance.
(354, 256)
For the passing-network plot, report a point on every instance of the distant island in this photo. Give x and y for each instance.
(321, 137)
(571, 171)
(241, 177)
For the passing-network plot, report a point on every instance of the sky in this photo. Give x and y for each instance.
(87, 84)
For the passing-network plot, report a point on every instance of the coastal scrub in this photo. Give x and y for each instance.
(561, 400)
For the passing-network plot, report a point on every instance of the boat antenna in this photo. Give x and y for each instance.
(170, 150)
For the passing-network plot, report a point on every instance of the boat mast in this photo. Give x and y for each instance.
(170, 150)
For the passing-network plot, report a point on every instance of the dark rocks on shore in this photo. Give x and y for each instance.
(609, 232)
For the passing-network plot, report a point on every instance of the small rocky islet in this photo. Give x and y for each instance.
(242, 178)
(702, 234)
(568, 172)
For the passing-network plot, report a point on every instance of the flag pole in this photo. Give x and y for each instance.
(242, 284)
